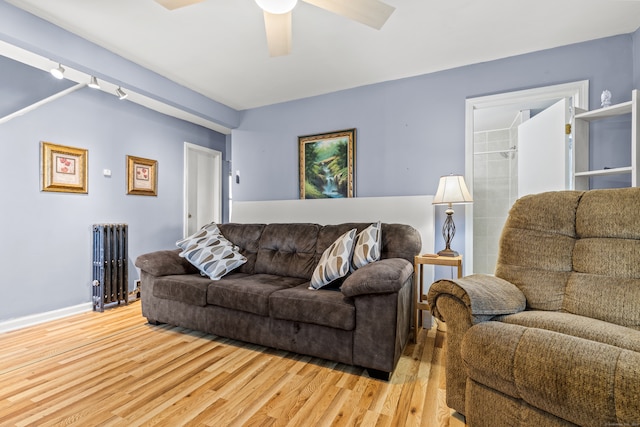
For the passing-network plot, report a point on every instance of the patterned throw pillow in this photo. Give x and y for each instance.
(368, 246)
(334, 262)
(211, 252)
(200, 237)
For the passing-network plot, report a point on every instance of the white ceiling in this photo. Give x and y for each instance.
(218, 47)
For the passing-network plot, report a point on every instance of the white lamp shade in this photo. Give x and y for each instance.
(277, 7)
(452, 189)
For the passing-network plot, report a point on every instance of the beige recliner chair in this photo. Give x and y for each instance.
(553, 339)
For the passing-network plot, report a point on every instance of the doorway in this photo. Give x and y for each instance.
(492, 157)
(202, 187)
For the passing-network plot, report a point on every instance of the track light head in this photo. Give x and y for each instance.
(93, 83)
(58, 72)
(121, 94)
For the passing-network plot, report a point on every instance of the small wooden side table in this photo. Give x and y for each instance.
(420, 297)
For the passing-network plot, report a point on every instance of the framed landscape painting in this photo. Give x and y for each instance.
(142, 176)
(327, 163)
(63, 169)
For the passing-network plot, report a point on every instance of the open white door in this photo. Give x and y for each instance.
(202, 187)
(544, 155)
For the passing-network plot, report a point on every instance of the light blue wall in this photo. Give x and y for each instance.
(46, 237)
(411, 131)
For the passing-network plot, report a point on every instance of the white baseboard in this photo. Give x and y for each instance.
(34, 319)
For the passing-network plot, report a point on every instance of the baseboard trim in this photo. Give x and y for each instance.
(35, 319)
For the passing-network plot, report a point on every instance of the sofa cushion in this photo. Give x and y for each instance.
(578, 326)
(334, 262)
(287, 250)
(247, 238)
(367, 246)
(324, 307)
(400, 241)
(248, 293)
(581, 381)
(606, 298)
(187, 288)
(611, 213)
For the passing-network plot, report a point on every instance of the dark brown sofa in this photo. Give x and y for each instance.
(554, 338)
(266, 301)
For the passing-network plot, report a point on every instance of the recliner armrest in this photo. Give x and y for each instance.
(164, 263)
(484, 296)
(380, 277)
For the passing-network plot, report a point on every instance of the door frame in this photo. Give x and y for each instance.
(578, 90)
(217, 185)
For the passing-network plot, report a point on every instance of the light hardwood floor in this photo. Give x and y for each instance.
(113, 368)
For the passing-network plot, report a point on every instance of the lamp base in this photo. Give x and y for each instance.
(448, 252)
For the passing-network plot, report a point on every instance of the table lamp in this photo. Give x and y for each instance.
(451, 189)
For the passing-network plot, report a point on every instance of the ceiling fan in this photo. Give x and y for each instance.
(277, 16)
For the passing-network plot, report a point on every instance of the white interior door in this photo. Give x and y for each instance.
(202, 187)
(544, 156)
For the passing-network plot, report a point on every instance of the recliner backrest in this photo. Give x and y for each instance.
(605, 283)
(536, 247)
(576, 251)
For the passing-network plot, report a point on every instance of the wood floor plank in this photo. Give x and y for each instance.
(114, 369)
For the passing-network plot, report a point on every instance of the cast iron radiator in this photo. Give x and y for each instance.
(110, 265)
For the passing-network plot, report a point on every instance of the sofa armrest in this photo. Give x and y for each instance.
(164, 263)
(483, 295)
(380, 277)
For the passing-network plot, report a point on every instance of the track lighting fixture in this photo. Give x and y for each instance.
(93, 83)
(121, 94)
(58, 72)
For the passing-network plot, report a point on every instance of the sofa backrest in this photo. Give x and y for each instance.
(577, 252)
(247, 238)
(294, 249)
(288, 250)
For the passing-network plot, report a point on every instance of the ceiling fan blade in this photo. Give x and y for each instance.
(175, 4)
(278, 28)
(373, 13)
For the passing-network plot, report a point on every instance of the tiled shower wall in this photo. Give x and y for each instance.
(495, 189)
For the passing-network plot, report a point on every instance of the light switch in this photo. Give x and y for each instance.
(106, 172)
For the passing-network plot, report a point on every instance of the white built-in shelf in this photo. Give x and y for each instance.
(602, 172)
(582, 173)
(605, 112)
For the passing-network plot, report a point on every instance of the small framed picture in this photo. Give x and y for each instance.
(63, 169)
(326, 165)
(142, 176)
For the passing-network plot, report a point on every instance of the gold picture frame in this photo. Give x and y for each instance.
(63, 169)
(142, 176)
(327, 165)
